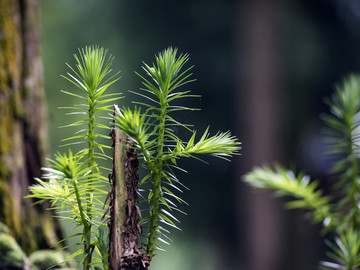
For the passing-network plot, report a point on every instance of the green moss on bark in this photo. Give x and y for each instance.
(7, 209)
(11, 255)
(49, 259)
(23, 136)
(10, 75)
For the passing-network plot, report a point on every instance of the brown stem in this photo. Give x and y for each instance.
(124, 227)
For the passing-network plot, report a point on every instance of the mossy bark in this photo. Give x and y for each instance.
(23, 125)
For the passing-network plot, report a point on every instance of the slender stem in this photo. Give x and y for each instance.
(86, 225)
(78, 200)
(91, 165)
(91, 161)
(157, 183)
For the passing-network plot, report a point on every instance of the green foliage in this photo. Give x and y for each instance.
(3, 228)
(74, 182)
(339, 216)
(286, 183)
(103, 245)
(11, 255)
(343, 122)
(49, 259)
(159, 146)
(345, 252)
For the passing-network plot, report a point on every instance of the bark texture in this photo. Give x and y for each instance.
(124, 221)
(23, 125)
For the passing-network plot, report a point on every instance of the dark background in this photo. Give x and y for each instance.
(263, 69)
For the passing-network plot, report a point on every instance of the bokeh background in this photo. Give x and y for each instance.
(263, 69)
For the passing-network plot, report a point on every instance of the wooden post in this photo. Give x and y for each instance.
(124, 212)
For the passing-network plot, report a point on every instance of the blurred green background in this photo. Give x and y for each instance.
(263, 69)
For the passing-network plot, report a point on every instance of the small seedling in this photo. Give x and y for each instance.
(74, 183)
(158, 145)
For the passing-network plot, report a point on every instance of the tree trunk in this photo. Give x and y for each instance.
(23, 125)
(261, 90)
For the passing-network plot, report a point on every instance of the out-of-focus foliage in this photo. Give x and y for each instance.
(11, 255)
(47, 259)
(342, 216)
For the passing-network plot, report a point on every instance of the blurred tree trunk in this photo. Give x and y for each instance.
(23, 125)
(262, 116)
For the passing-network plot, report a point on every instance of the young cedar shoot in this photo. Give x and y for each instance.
(74, 182)
(159, 147)
(341, 218)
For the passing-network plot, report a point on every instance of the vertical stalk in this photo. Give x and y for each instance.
(86, 224)
(91, 163)
(157, 183)
(124, 227)
(118, 211)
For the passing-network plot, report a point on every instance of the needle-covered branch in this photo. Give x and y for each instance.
(157, 144)
(305, 192)
(75, 182)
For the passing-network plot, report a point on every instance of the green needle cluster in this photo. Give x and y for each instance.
(152, 130)
(306, 193)
(74, 182)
